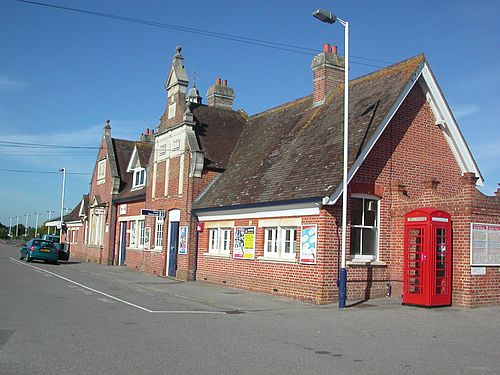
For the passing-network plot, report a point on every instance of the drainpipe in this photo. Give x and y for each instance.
(195, 264)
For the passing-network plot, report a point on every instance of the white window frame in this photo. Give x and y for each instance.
(101, 170)
(376, 227)
(141, 225)
(159, 233)
(219, 241)
(275, 242)
(139, 178)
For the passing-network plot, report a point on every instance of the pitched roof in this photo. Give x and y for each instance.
(295, 151)
(123, 152)
(218, 130)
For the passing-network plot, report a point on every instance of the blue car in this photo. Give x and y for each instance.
(40, 249)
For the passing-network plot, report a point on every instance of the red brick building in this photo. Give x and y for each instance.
(254, 202)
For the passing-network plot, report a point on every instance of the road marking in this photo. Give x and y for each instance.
(38, 269)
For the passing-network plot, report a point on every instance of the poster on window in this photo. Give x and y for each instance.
(308, 244)
(147, 238)
(183, 240)
(485, 244)
(244, 242)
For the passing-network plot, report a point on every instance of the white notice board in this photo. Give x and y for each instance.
(484, 244)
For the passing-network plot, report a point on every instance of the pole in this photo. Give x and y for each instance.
(36, 224)
(63, 170)
(50, 212)
(26, 226)
(343, 270)
(17, 226)
(10, 226)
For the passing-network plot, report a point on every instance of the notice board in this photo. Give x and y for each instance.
(485, 244)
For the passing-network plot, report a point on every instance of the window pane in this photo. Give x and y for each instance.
(355, 241)
(370, 212)
(369, 242)
(356, 211)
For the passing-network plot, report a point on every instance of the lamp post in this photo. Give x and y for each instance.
(17, 226)
(328, 17)
(63, 170)
(36, 224)
(26, 227)
(10, 226)
(50, 213)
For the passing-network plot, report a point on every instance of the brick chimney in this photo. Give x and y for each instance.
(107, 129)
(148, 135)
(219, 95)
(328, 73)
(176, 86)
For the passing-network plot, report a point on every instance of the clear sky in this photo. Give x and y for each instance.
(63, 73)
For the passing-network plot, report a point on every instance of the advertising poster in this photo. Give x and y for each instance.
(244, 242)
(147, 238)
(308, 244)
(183, 240)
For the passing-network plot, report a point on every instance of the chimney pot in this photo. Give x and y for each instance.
(333, 50)
(224, 83)
(326, 48)
(218, 81)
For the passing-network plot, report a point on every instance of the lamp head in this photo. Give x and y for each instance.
(62, 169)
(325, 16)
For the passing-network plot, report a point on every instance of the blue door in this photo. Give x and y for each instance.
(172, 251)
(123, 240)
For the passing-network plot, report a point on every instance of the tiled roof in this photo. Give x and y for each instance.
(218, 130)
(295, 151)
(123, 152)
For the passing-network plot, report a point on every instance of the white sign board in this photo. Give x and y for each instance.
(478, 271)
(485, 244)
(99, 211)
(123, 209)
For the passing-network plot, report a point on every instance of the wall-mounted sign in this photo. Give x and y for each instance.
(308, 244)
(159, 213)
(417, 218)
(99, 211)
(183, 240)
(478, 271)
(485, 244)
(244, 242)
(200, 227)
(123, 209)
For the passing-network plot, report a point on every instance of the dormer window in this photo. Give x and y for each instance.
(139, 178)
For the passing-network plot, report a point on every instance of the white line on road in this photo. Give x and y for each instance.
(116, 298)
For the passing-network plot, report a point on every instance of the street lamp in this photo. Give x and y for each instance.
(17, 226)
(26, 227)
(10, 226)
(63, 170)
(328, 17)
(36, 224)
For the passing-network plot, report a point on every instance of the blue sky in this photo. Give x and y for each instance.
(62, 74)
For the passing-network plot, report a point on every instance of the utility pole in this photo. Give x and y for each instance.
(10, 226)
(17, 226)
(26, 227)
(36, 225)
(63, 170)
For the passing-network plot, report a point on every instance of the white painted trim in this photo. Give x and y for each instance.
(174, 215)
(280, 222)
(79, 224)
(220, 224)
(131, 218)
(153, 187)
(297, 209)
(133, 157)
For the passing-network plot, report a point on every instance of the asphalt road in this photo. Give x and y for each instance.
(78, 318)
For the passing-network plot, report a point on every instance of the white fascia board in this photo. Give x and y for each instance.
(73, 224)
(454, 136)
(332, 199)
(293, 209)
(133, 160)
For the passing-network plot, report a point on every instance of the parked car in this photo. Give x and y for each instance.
(37, 248)
(63, 251)
(51, 237)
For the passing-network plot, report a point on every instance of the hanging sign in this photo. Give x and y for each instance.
(183, 238)
(244, 242)
(308, 244)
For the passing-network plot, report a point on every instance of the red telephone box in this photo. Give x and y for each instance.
(427, 258)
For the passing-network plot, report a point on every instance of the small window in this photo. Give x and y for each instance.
(364, 228)
(159, 233)
(219, 241)
(101, 169)
(139, 178)
(141, 234)
(280, 242)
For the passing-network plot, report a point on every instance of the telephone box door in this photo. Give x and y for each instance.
(427, 258)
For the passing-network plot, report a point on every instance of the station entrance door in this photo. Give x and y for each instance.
(427, 258)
